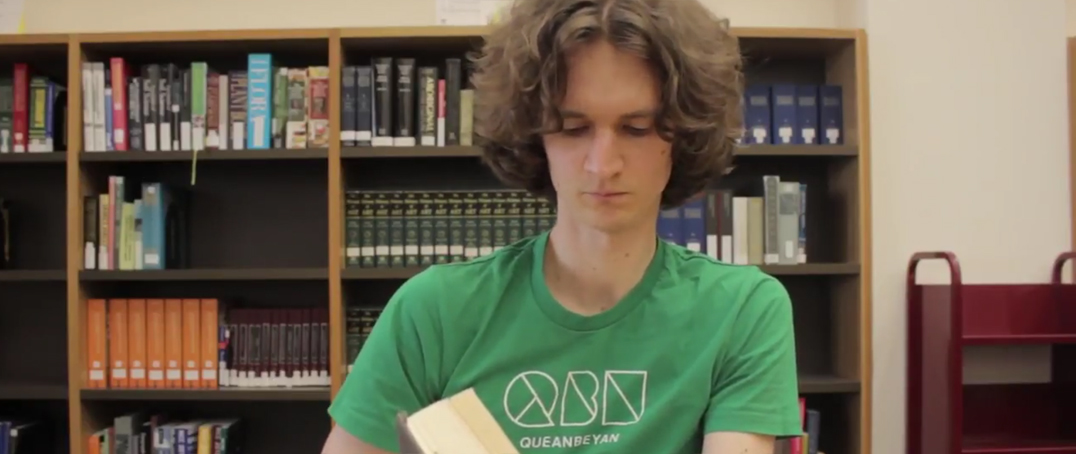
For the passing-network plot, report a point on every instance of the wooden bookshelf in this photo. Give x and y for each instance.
(241, 246)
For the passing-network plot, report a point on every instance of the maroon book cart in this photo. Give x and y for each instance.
(946, 416)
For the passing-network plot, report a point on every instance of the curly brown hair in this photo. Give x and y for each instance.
(519, 73)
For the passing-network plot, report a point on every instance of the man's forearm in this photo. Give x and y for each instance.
(737, 443)
(342, 442)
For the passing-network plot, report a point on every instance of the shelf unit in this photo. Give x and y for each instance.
(945, 414)
(299, 257)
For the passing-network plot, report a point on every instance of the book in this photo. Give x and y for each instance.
(459, 424)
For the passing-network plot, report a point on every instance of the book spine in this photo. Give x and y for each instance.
(212, 111)
(151, 75)
(784, 114)
(134, 113)
(383, 228)
(280, 106)
(186, 127)
(118, 80)
(426, 229)
(404, 132)
(20, 124)
(397, 230)
(38, 114)
(237, 109)
(298, 108)
(259, 114)
(412, 244)
(318, 107)
(88, 92)
(348, 106)
(224, 119)
(453, 85)
(806, 115)
(199, 82)
(427, 106)
(364, 105)
(368, 241)
(382, 105)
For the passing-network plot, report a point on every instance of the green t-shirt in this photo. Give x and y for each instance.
(697, 346)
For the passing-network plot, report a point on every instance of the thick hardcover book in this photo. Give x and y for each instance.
(404, 131)
(259, 101)
(384, 81)
(364, 105)
(784, 114)
(134, 113)
(453, 85)
(348, 103)
(460, 424)
(151, 76)
(280, 106)
(427, 106)
(317, 129)
(237, 109)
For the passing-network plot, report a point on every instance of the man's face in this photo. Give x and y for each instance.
(608, 165)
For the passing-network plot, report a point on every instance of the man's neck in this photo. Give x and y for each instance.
(589, 271)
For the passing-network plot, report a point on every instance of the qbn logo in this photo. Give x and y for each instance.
(535, 399)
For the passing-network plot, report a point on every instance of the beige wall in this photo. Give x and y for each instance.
(969, 123)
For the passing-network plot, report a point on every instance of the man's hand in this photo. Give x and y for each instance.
(737, 443)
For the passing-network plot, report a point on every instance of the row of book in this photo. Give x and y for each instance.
(406, 228)
(358, 323)
(810, 423)
(793, 114)
(396, 101)
(26, 436)
(159, 433)
(129, 227)
(194, 106)
(770, 229)
(191, 343)
(33, 111)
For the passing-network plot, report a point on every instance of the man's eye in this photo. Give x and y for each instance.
(576, 131)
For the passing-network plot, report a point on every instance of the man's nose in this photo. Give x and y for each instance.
(603, 157)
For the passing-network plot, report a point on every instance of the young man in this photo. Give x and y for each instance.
(595, 337)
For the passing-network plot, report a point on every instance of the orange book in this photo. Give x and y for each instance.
(96, 344)
(192, 353)
(210, 344)
(155, 343)
(136, 341)
(117, 343)
(173, 343)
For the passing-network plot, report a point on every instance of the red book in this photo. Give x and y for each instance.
(20, 119)
(119, 104)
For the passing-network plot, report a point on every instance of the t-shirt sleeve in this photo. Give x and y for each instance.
(397, 368)
(756, 389)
